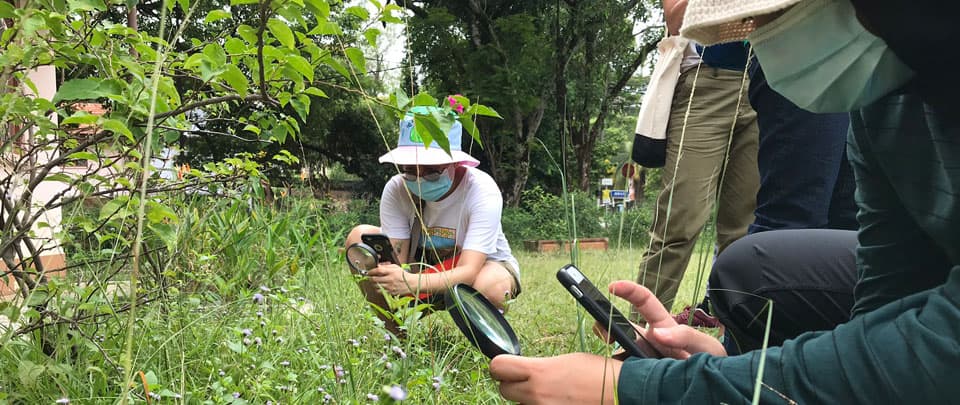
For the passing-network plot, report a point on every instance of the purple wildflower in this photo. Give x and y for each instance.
(398, 393)
(386, 336)
(236, 395)
(221, 372)
(247, 342)
(327, 398)
(338, 371)
(264, 288)
(63, 401)
(259, 314)
(258, 298)
(373, 397)
(353, 342)
(399, 352)
(263, 324)
(258, 341)
(246, 332)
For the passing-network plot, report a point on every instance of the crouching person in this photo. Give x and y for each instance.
(442, 217)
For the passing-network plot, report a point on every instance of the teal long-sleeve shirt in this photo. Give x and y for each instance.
(902, 344)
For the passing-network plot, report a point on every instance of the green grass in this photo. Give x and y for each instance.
(207, 340)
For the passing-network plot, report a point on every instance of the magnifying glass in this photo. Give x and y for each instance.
(480, 321)
(362, 258)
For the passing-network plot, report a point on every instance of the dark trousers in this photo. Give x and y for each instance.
(808, 274)
(805, 179)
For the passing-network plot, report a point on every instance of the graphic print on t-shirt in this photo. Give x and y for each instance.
(443, 241)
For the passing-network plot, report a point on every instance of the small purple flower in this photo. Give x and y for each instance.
(246, 332)
(353, 342)
(327, 398)
(398, 393)
(338, 371)
(259, 314)
(283, 290)
(436, 386)
(63, 401)
(273, 332)
(373, 398)
(154, 395)
(320, 389)
(399, 352)
(258, 298)
(264, 288)
(437, 381)
(386, 336)
(221, 372)
(279, 339)
(247, 342)
(389, 365)
(258, 341)
(263, 324)
(236, 395)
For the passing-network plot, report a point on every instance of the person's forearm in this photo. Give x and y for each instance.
(903, 352)
(673, 15)
(439, 282)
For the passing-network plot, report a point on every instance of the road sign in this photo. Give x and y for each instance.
(606, 181)
(621, 194)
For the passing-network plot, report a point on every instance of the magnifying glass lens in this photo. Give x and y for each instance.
(361, 258)
(487, 322)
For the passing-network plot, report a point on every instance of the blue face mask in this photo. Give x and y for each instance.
(820, 57)
(430, 190)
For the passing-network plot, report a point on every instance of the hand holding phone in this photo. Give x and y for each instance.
(605, 313)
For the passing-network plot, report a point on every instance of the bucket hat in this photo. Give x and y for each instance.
(411, 150)
(716, 21)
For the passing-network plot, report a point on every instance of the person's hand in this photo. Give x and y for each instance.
(671, 339)
(392, 278)
(576, 378)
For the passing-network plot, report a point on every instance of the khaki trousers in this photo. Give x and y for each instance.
(694, 177)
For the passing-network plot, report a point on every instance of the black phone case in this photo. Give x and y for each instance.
(380, 244)
(600, 309)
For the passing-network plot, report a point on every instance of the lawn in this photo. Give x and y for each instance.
(258, 306)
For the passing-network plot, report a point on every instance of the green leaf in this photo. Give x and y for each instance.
(166, 233)
(215, 53)
(118, 127)
(480, 109)
(80, 118)
(77, 89)
(216, 15)
(357, 58)
(61, 177)
(238, 2)
(371, 34)
(86, 5)
(235, 46)
(426, 126)
(424, 99)
(313, 91)
(28, 372)
(301, 104)
(388, 14)
(319, 7)
(358, 11)
(281, 31)
(400, 100)
(83, 155)
(115, 208)
(335, 65)
(252, 128)
(159, 213)
(326, 28)
(6, 10)
(471, 129)
(235, 78)
(300, 64)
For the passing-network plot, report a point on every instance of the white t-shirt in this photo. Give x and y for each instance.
(691, 58)
(468, 218)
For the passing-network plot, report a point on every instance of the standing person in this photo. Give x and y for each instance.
(805, 179)
(879, 59)
(460, 233)
(711, 160)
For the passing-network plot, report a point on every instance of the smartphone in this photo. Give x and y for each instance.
(605, 313)
(380, 244)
